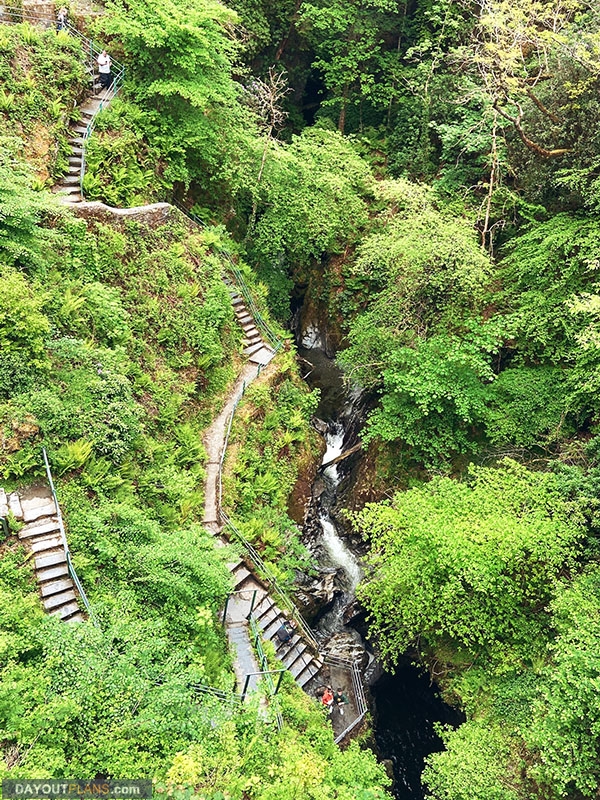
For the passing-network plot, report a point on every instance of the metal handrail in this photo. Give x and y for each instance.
(252, 552)
(221, 694)
(359, 692)
(63, 536)
(109, 93)
(270, 580)
(264, 665)
(17, 15)
(241, 284)
(92, 51)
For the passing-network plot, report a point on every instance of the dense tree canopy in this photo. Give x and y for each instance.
(424, 177)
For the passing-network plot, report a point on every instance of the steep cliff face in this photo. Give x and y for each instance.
(317, 303)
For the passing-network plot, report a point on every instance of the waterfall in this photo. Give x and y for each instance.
(406, 705)
(341, 556)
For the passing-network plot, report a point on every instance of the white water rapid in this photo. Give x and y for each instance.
(339, 554)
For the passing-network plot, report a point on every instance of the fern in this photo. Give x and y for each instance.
(73, 455)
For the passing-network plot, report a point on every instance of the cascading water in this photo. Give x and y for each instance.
(405, 704)
(339, 553)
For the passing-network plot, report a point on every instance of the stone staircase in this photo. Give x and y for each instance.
(255, 347)
(69, 187)
(40, 533)
(297, 655)
(250, 593)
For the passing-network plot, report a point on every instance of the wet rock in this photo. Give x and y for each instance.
(349, 646)
(353, 611)
(388, 765)
(319, 425)
(316, 593)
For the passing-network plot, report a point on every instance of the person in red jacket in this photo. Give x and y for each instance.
(327, 699)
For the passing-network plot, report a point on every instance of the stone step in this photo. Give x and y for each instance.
(282, 648)
(253, 337)
(75, 161)
(32, 512)
(254, 348)
(77, 140)
(52, 573)
(72, 179)
(38, 528)
(76, 617)
(245, 319)
(240, 576)
(262, 608)
(263, 356)
(56, 600)
(14, 505)
(270, 615)
(236, 300)
(55, 587)
(71, 199)
(51, 560)
(271, 629)
(46, 543)
(251, 331)
(67, 612)
(83, 129)
(295, 655)
(70, 189)
(308, 673)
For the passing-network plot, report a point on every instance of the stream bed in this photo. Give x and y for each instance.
(405, 705)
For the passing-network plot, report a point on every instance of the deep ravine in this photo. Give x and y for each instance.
(405, 705)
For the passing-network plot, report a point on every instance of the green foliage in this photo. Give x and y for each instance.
(471, 563)
(270, 441)
(314, 193)
(527, 406)
(23, 332)
(434, 395)
(118, 165)
(180, 63)
(41, 75)
(22, 241)
(476, 765)
(566, 724)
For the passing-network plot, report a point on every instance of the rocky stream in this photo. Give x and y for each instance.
(405, 705)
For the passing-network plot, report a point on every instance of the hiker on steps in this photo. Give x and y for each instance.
(104, 66)
(61, 18)
(285, 633)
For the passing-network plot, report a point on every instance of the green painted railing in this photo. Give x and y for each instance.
(357, 690)
(65, 544)
(14, 15)
(254, 556)
(267, 672)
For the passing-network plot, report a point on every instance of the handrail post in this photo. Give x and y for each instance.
(225, 609)
(245, 691)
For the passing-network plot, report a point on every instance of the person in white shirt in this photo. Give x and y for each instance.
(61, 19)
(104, 69)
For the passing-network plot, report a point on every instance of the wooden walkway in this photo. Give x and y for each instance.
(40, 533)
